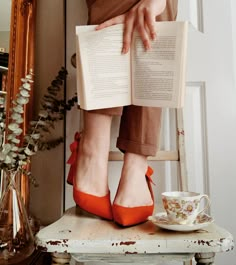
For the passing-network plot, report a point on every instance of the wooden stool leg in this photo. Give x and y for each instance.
(60, 258)
(205, 258)
(188, 262)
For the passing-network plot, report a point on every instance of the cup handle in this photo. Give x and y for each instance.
(204, 196)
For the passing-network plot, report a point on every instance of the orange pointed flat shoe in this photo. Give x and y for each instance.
(128, 216)
(100, 206)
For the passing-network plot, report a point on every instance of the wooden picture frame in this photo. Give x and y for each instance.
(21, 52)
(21, 63)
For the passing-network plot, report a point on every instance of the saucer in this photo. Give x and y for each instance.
(161, 220)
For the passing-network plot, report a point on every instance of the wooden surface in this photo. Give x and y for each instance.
(78, 233)
(37, 258)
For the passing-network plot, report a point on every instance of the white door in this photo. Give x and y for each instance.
(210, 110)
(209, 113)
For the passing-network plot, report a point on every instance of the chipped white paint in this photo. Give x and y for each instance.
(89, 238)
(151, 259)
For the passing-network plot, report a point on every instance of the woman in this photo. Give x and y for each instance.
(139, 127)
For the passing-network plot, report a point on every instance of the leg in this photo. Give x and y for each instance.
(90, 185)
(139, 130)
(138, 137)
(205, 258)
(91, 174)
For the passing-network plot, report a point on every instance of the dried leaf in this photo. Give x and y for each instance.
(27, 86)
(14, 148)
(35, 136)
(13, 126)
(15, 140)
(15, 116)
(43, 114)
(33, 123)
(42, 123)
(35, 148)
(25, 93)
(8, 160)
(18, 131)
(20, 120)
(22, 156)
(6, 148)
(48, 104)
(29, 152)
(22, 100)
(2, 156)
(22, 163)
(10, 137)
(29, 77)
(18, 109)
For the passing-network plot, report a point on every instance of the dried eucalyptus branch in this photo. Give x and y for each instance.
(10, 153)
(15, 155)
(2, 118)
(52, 110)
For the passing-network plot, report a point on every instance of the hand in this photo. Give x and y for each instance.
(141, 17)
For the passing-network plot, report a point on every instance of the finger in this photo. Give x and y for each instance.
(113, 21)
(143, 30)
(150, 21)
(128, 32)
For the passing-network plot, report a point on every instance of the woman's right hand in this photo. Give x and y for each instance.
(141, 17)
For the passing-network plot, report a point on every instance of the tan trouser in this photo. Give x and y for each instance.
(139, 126)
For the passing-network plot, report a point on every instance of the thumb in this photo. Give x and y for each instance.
(113, 21)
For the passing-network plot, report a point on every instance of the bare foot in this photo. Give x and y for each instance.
(133, 189)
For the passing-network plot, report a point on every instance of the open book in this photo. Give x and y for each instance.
(106, 78)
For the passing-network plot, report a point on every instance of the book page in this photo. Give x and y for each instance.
(79, 75)
(105, 71)
(158, 74)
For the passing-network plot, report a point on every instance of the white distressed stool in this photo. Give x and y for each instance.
(88, 238)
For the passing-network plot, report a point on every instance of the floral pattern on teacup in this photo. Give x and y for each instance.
(181, 209)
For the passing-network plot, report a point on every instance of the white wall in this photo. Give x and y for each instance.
(233, 10)
(48, 166)
(5, 16)
(73, 117)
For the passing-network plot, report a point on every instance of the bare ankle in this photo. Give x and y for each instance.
(135, 160)
(133, 182)
(92, 164)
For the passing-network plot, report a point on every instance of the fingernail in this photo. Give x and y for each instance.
(124, 50)
(147, 46)
(154, 36)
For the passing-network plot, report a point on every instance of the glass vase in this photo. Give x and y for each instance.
(3, 183)
(16, 237)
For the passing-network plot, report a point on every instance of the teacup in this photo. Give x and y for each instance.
(183, 207)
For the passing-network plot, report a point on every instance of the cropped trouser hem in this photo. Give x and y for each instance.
(139, 128)
(136, 147)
